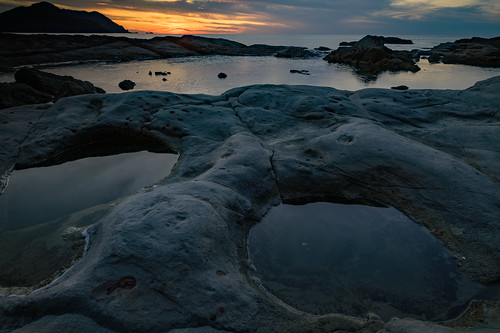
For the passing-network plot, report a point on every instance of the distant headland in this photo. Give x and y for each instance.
(45, 17)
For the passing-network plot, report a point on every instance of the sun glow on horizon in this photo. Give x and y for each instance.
(187, 23)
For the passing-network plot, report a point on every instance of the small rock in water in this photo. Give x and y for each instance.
(301, 71)
(295, 52)
(402, 87)
(222, 75)
(126, 85)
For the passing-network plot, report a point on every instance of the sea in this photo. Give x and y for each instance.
(198, 75)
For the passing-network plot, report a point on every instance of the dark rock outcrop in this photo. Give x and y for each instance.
(45, 17)
(33, 87)
(126, 85)
(189, 45)
(396, 40)
(385, 40)
(370, 56)
(19, 50)
(299, 71)
(16, 94)
(52, 84)
(295, 52)
(222, 75)
(475, 51)
(402, 87)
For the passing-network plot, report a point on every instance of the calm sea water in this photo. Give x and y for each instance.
(199, 74)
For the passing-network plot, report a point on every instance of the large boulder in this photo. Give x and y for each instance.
(370, 56)
(34, 87)
(54, 85)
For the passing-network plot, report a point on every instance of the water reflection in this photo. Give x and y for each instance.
(195, 75)
(353, 259)
(43, 210)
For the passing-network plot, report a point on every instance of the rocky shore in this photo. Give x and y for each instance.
(20, 50)
(173, 257)
(475, 51)
(368, 56)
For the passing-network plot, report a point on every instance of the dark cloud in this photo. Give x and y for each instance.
(480, 17)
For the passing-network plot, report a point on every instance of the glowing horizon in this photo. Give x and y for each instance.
(463, 17)
(187, 23)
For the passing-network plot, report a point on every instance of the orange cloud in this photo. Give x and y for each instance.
(188, 23)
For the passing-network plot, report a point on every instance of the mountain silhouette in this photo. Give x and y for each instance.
(45, 17)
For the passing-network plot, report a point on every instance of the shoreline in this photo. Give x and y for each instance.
(82, 48)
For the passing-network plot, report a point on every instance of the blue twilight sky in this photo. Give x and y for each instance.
(396, 17)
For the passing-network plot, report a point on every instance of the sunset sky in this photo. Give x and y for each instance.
(444, 17)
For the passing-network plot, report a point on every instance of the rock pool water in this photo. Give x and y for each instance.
(353, 259)
(44, 210)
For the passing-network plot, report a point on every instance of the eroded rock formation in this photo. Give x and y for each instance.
(370, 56)
(173, 255)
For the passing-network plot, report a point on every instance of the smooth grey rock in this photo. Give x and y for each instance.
(413, 326)
(173, 256)
(70, 323)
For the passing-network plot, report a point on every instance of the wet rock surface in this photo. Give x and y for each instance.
(474, 51)
(172, 257)
(370, 56)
